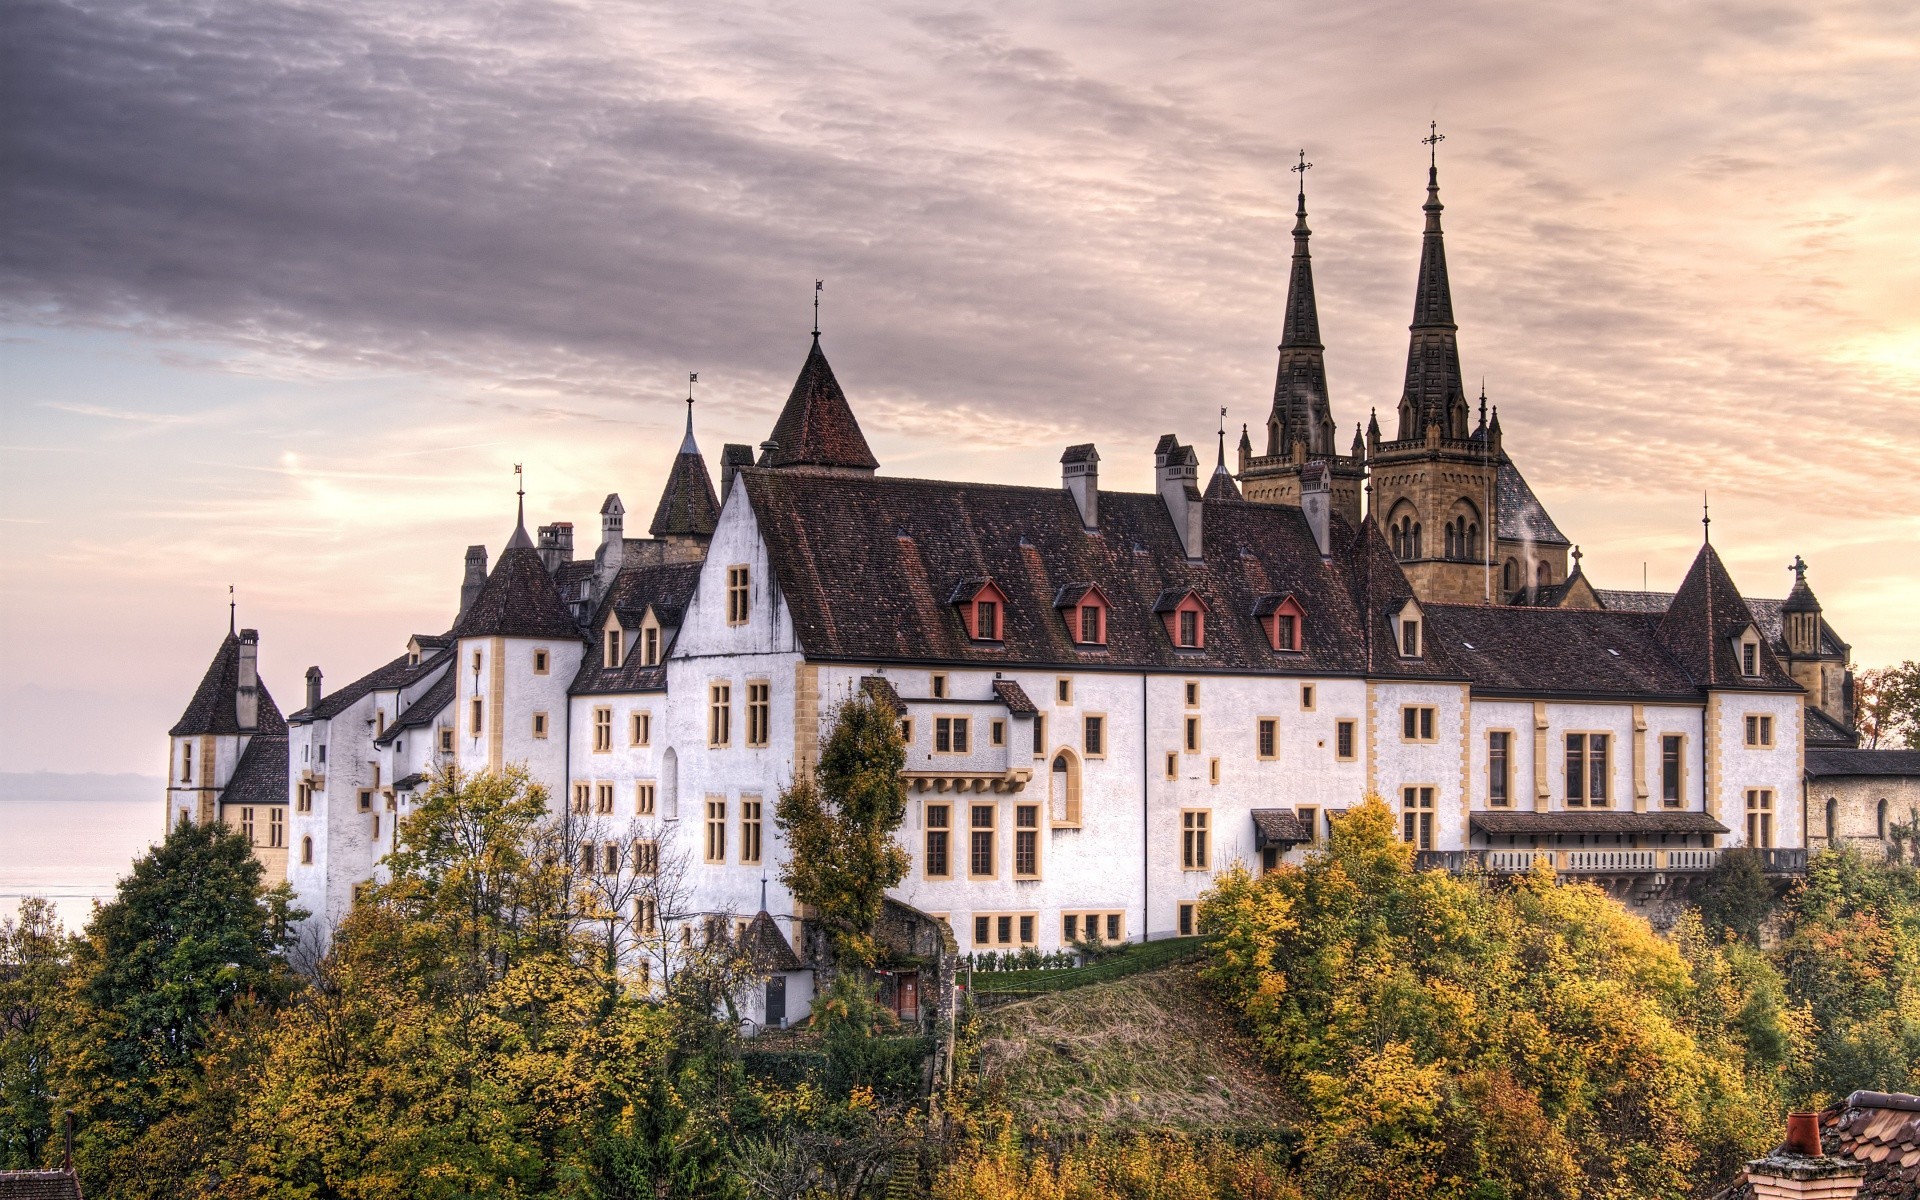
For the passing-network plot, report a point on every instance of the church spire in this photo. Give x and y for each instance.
(688, 507)
(1433, 394)
(1300, 410)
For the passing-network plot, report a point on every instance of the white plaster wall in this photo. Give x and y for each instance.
(1778, 767)
(1439, 764)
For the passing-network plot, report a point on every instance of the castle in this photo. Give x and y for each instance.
(1107, 697)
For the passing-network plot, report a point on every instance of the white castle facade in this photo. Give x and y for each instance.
(1107, 697)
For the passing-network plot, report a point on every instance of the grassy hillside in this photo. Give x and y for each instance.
(1150, 1050)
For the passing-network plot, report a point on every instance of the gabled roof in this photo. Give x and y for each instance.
(1824, 731)
(260, 777)
(1278, 827)
(1523, 650)
(865, 564)
(1380, 589)
(39, 1185)
(212, 709)
(816, 428)
(424, 710)
(1014, 697)
(392, 675)
(666, 588)
(1700, 626)
(688, 507)
(519, 599)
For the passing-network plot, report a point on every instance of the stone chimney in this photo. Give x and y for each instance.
(733, 456)
(1800, 1170)
(1316, 500)
(246, 699)
(556, 545)
(1176, 476)
(1080, 476)
(476, 577)
(313, 688)
(613, 543)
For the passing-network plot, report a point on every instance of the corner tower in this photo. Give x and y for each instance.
(1436, 486)
(1300, 425)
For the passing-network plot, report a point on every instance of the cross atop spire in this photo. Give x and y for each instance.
(1799, 568)
(1301, 170)
(1432, 143)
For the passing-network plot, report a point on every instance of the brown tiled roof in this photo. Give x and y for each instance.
(1539, 824)
(1278, 826)
(1221, 487)
(688, 507)
(666, 588)
(816, 428)
(1834, 764)
(882, 690)
(260, 777)
(767, 948)
(212, 708)
(1523, 650)
(1767, 613)
(1698, 629)
(1381, 590)
(519, 599)
(1014, 697)
(1882, 1130)
(39, 1185)
(867, 564)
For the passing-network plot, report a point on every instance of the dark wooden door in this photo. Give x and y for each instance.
(777, 1002)
(906, 996)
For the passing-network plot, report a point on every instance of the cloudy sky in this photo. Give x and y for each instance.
(286, 288)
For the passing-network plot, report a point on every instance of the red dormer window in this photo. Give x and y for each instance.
(1284, 622)
(1185, 616)
(983, 608)
(1083, 607)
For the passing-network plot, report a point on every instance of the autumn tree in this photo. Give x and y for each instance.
(839, 822)
(1889, 705)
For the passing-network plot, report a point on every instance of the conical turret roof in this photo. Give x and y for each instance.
(688, 506)
(1433, 393)
(1300, 404)
(1702, 621)
(519, 598)
(816, 428)
(214, 709)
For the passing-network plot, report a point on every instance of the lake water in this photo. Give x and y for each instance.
(71, 837)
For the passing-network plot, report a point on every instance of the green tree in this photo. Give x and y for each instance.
(1737, 896)
(839, 823)
(191, 934)
(34, 958)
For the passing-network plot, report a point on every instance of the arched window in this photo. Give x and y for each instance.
(1543, 574)
(1404, 533)
(1510, 575)
(1066, 788)
(1833, 821)
(1880, 821)
(670, 786)
(1473, 542)
(306, 849)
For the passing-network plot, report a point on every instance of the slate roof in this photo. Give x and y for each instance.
(1278, 826)
(816, 428)
(688, 507)
(1767, 614)
(426, 707)
(39, 1185)
(260, 777)
(1698, 629)
(1822, 730)
(397, 673)
(667, 588)
(1541, 824)
(1521, 515)
(867, 564)
(1532, 651)
(1836, 764)
(1221, 486)
(767, 948)
(519, 599)
(212, 708)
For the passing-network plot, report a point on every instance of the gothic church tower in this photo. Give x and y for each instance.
(1300, 426)
(1436, 488)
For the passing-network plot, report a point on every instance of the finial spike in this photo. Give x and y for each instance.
(232, 611)
(1706, 521)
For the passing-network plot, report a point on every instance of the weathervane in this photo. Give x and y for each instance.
(519, 481)
(693, 377)
(232, 609)
(1706, 520)
(1432, 143)
(817, 285)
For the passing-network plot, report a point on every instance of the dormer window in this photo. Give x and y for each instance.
(1084, 609)
(650, 645)
(1283, 621)
(613, 647)
(982, 608)
(1409, 635)
(1748, 644)
(1184, 613)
